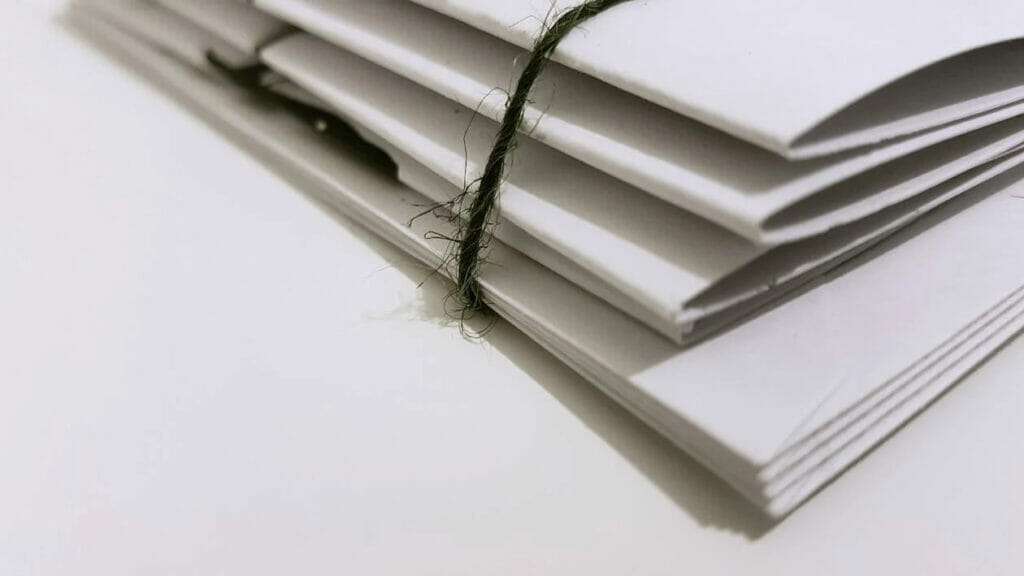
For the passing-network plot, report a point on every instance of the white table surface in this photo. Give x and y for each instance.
(203, 372)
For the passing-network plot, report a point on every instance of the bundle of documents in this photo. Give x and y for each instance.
(774, 231)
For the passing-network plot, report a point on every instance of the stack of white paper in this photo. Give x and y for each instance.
(684, 165)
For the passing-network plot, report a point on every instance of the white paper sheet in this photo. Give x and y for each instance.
(172, 32)
(646, 254)
(883, 327)
(771, 72)
(684, 162)
(237, 23)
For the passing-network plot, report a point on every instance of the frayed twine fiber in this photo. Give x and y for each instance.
(476, 222)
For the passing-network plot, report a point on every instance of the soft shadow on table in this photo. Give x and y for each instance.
(695, 490)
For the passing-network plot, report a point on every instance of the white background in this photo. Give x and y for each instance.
(202, 372)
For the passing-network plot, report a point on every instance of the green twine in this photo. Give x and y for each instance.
(474, 227)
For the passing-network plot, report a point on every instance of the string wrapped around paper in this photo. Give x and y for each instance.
(473, 232)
